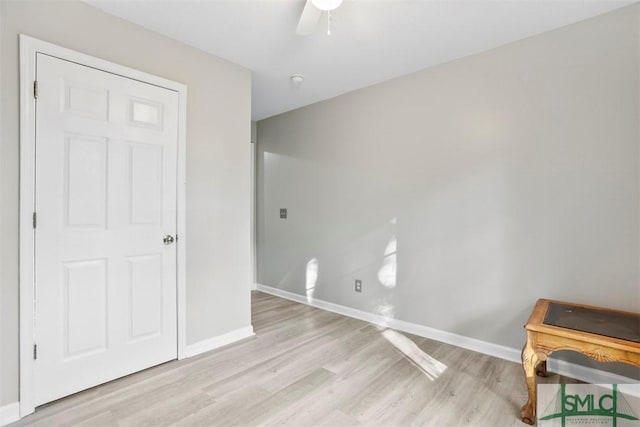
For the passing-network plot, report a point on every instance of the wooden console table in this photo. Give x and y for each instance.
(602, 334)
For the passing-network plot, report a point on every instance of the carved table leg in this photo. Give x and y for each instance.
(530, 359)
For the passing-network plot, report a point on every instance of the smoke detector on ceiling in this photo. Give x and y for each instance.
(296, 79)
(295, 82)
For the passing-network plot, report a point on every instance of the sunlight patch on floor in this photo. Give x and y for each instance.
(431, 367)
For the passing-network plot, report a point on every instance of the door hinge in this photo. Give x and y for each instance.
(35, 220)
(35, 89)
(35, 351)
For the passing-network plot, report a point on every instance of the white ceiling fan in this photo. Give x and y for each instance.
(311, 14)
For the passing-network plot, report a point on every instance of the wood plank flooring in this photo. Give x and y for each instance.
(306, 367)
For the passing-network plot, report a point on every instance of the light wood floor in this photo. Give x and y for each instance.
(304, 367)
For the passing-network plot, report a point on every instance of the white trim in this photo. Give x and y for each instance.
(218, 341)
(582, 373)
(254, 215)
(27, 190)
(28, 49)
(9, 413)
(423, 331)
(181, 219)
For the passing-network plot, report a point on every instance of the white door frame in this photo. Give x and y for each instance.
(29, 47)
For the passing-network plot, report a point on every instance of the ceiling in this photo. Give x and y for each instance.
(371, 40)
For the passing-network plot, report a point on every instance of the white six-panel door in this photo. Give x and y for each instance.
(105, 281)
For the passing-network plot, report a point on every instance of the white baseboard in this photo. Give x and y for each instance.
(578, 372)
(219, 341)
(412, 328)
(9, 413)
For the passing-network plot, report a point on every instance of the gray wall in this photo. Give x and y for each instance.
(218, 162)
(463, 193)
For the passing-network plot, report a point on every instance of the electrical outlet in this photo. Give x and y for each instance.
(358, 285)
(283, 213)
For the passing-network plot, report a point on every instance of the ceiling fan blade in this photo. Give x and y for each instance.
(308, 20)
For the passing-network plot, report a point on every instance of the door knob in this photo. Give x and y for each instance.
(168, 239)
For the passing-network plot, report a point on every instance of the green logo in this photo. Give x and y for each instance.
(594, 405)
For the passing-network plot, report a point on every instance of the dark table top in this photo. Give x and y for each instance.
(624, 326)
